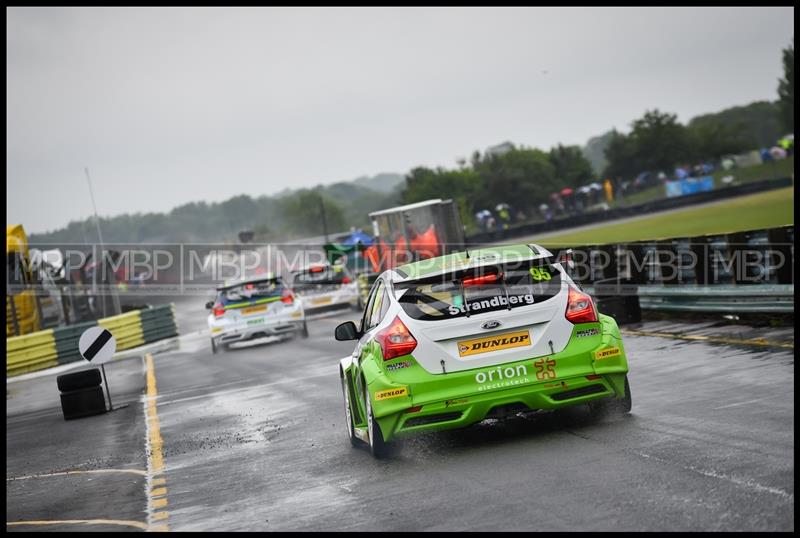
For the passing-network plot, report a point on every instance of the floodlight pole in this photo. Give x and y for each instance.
(324, 222)
(114, 296)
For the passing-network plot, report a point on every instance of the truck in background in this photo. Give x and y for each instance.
(22, 306)
(414, 232)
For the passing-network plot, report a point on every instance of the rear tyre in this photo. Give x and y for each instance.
(347, 414)
(613, 406)
(304, 330)
(377, 446)
(213, 346)
(625, 404)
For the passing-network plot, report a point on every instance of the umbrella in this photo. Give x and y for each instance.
(777, 153)
(566, 191)
(357, 236)
(543, 207)
(500, 207)
(596, 186)
(584, 190)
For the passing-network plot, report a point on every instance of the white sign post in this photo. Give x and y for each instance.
(97, 345)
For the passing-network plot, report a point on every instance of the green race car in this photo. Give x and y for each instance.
(450, 341)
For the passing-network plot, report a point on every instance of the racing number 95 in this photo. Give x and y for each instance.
(540, 274)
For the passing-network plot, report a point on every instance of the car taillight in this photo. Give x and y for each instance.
(346, 280)
(396, 340)
(580, 308)
(316, 269)
(481, 280)
(218, 310)
(287, 297)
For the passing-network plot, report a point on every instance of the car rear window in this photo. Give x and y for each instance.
(332, 274)
(470, 292)
(253, 291)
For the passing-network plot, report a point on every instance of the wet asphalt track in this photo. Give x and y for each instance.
(254, 440)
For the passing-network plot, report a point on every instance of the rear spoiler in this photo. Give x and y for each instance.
(236, 284)
(470, 261)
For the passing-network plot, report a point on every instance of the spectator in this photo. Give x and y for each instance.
(787, 143)
(504, 215)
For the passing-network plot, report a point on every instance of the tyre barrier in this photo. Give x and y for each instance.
(749, 271)
(34, 351)
(52, 347)
(79, 380)
(81, 394)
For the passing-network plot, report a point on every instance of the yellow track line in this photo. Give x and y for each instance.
(714, 339)
(156, 484)
(123, 522)
(65, 473)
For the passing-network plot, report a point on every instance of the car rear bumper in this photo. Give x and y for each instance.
(586, 370)
(460, 412)
(233, 334)
(336, 302)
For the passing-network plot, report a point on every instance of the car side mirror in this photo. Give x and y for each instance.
(347, 331)
(209, 305)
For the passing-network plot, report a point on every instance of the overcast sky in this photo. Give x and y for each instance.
(168, 106)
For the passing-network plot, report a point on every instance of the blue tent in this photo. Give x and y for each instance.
(357, 236)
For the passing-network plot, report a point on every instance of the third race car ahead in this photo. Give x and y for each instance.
(450, 341)
(324, 286)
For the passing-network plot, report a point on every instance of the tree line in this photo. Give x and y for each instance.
(290, 215)
(657, 142)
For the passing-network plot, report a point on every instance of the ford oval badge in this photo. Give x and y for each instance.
(491, 325)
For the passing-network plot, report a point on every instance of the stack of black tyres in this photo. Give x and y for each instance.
(81, 394)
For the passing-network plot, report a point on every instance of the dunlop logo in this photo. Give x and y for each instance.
(494, 343)
(391, 393)
(606, 353)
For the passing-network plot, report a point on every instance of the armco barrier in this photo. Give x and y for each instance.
(766, 299)
(52, 347)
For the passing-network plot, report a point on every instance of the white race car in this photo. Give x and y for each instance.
(255, 307)
(326, 286)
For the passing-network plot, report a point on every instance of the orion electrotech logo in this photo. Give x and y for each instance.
(501, 377)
